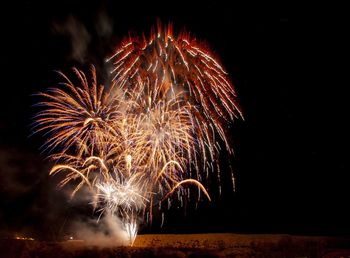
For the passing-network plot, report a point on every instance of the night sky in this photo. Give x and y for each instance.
(291, 153)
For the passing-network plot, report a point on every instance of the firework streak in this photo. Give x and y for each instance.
(155, 130)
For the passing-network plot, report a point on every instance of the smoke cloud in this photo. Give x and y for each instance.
(104, 25)
(78, 35)
(106, 232)
(90, 41)
(26, 196)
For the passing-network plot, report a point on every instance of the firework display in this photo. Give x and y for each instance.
(155, 130)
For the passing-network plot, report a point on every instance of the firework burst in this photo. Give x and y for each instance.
(165, 64)
(76, 116)
(135, 143)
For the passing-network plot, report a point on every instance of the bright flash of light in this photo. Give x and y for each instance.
(123, 196)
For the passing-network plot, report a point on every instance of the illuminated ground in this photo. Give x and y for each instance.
(197, 245)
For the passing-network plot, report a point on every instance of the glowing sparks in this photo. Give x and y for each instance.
(131, 230)
(140, 140)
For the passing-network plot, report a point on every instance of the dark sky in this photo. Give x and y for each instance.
(291, 152)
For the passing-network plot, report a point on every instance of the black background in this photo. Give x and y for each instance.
(288, 65)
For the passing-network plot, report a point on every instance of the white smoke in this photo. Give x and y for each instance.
(107, 232)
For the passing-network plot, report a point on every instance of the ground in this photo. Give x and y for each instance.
(194, 245)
